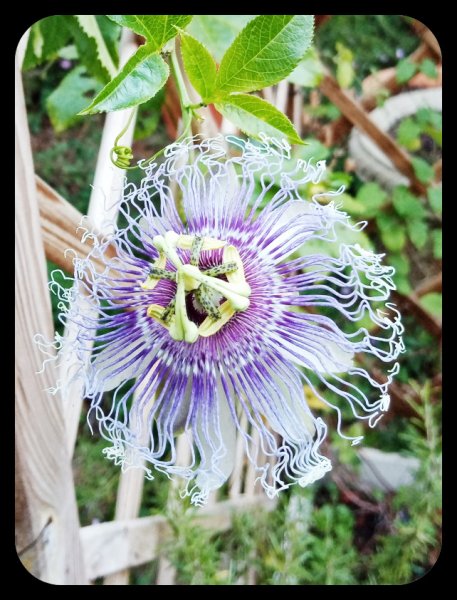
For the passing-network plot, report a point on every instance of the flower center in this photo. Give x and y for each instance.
(206, 285)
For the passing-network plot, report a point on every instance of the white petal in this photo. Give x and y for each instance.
(111, 364)
(215, 475)
(324, 356)
(285, 407)
(296, 213)
(151, 226)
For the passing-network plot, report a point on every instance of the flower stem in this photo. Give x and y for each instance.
(180, 85)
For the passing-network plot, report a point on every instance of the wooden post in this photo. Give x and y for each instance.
(47, 538)
(103, 210)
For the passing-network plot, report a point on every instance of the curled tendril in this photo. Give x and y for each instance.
(124, 156)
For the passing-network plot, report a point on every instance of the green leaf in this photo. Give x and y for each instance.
(405, 70)
(266, 51)
(309, 71)
(68, 52)
(47, 37)
(428, 67)
(312, 149)
(199, 65)
(65, 102)
(372, 197)
(344, 69)
(353, 206)
(435, 198)
(424, 172)
(433, 302)
(343, 235)
(406, 204)
(149, 116)
(111, 33)
(408, 134)
(418, 232)
(92, 49)
(157, 29)
(437, 237)
(392, 233)
(385, 220)
(253, 115)
(428, 116)
(401, 264)
(140, 79)
(402, 284)
(217, 32)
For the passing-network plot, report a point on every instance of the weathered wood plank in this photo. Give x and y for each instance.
(353, 111)
(102, 212)
(47, 527)
(111, 547)
(59, 223)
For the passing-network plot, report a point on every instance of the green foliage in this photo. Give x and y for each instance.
(402, 556)
(217, 32)
(417, 232)
(111, 33)
(343, 236)
(424, 172)
(405, 70)
(345, 73)
(193, 552)
(428, 67)
(148, 117)
(312, 149)
(413, 131)
(144, 74)
(437, 236)
(433, 302)
(408, 134)
(157, 29)
(309, 71)
(266, 51)
(368, 202)
(96, 480)
(200, 66)
(92, 48)
(46, 38)
(402, 267)
(69, 98)
(374, 40)
(392, 232)
(253, 115)
(371, 196)
(435, 198)
(406, 204)
(428, 117)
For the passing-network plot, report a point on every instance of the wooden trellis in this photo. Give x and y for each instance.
(50, 542)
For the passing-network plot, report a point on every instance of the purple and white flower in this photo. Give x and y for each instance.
(206, 320)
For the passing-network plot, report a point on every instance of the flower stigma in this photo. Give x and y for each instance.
(206, 286)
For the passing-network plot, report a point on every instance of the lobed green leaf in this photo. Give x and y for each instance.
(157, 29)
(139, 80)
(199, 65)
(92, 49)
(47, 37)
(254, 116)
(267, 50)
(217, 32)
(65, 102)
